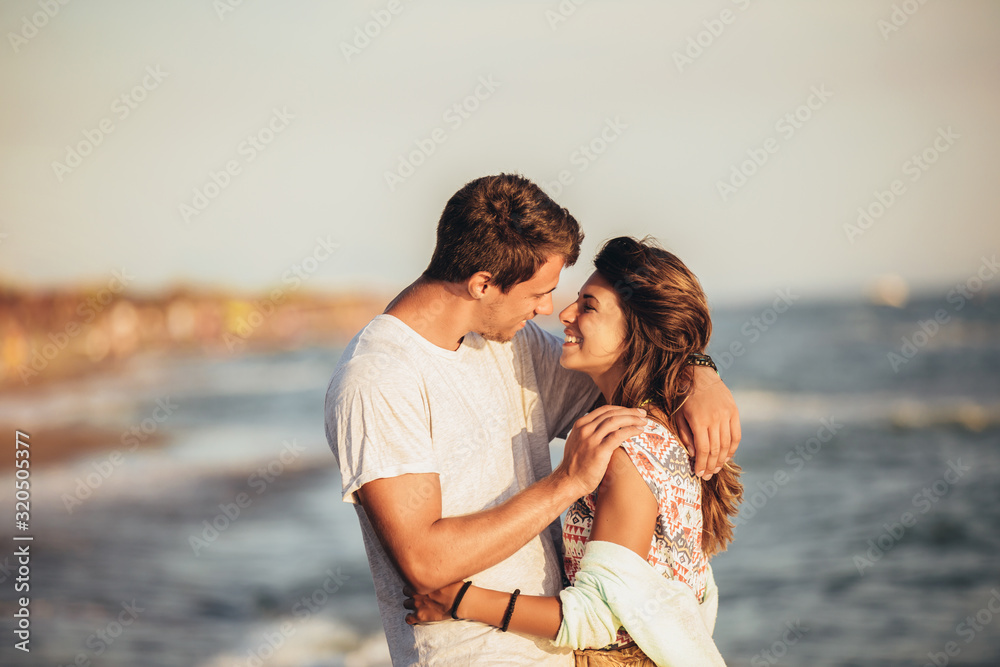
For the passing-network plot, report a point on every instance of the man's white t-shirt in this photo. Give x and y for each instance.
(481, 417)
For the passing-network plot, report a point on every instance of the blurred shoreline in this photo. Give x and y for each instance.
(61, 334)
(58, 342)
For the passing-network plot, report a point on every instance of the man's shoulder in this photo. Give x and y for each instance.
(534, 340)
(533, 332)
(377, 354)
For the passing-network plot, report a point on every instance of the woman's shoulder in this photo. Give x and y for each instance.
(659, 446)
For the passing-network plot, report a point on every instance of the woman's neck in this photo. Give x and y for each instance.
(607, 382)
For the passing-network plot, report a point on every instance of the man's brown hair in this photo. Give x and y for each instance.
(504, 225)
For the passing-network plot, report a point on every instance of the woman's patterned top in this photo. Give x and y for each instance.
(675, 551)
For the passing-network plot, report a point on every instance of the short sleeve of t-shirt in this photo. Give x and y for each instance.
(663, 464)
(377, 423)
(566, 395)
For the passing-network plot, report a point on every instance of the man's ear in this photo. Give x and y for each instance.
(479, 284)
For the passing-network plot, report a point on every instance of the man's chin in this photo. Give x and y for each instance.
(498, 336)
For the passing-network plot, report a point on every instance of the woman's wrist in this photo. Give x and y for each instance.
(483, 605)
(471, 608)
(457, 600)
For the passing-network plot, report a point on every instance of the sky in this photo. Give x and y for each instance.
(227, 143)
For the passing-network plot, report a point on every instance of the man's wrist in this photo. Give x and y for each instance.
(704, 361)
(563, 489)
(708, 375)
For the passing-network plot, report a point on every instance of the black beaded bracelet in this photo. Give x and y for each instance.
(510, 609)
(702, 360)
(458, 599)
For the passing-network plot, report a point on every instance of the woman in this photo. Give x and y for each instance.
(636, 325)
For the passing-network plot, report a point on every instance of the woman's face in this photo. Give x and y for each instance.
(595, 328)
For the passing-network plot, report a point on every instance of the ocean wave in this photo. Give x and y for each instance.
(121, 394)
(121, 475)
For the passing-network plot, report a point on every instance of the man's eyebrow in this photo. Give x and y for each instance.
(549, 292)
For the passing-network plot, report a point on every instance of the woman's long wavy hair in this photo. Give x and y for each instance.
(666, 320)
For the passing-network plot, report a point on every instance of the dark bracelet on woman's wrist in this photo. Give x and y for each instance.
(510, 609)
(458, 599)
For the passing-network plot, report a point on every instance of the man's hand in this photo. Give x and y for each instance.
(594, 437)
(709, 423)
(432, 607)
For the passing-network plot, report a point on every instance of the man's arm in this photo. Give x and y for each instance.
(625, 514)
(431, 551)
(709, 423)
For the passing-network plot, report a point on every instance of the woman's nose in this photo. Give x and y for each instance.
(568, 314)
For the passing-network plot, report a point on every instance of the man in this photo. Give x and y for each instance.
(441, 410)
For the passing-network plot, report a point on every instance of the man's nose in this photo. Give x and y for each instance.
(545, 305)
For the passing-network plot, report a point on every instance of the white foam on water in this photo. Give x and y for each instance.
(891, 408)
(116, 395)
(203, 455)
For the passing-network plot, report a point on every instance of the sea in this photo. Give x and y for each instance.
(869, 532)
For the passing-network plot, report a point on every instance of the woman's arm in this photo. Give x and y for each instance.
(626, 508)
(533, 614)
(625, 514)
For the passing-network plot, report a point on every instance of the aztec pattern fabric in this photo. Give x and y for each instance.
(675, 550)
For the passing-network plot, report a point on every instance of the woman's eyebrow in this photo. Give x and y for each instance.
(591, 296)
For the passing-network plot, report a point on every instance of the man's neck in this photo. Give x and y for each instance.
(435, 310)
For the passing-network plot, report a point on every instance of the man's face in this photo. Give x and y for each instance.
(506, 314)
